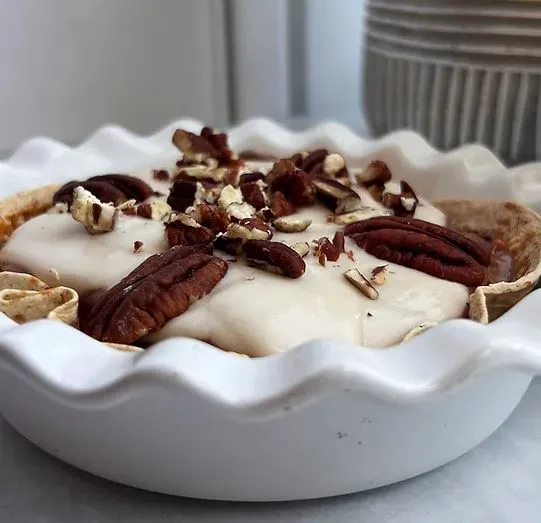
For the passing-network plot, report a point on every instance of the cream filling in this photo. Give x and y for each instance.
(250, 311)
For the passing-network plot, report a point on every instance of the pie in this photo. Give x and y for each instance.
(257, 255)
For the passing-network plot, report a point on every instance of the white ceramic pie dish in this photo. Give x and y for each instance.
(323, 419)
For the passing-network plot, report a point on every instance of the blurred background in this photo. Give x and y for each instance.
(67, 67)
(455, 70)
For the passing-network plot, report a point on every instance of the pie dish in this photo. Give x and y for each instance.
(351, 404)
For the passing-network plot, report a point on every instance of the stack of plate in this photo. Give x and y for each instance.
(457, 71)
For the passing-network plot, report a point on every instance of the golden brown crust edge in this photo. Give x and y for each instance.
(22, 206)
(520, 229)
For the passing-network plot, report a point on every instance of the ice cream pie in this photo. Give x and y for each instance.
(257, 255)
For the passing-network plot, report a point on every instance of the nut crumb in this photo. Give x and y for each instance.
(137, 246)
(54, 274)
(302, 248)
(360, 282)
(290, 224)
(369, 314)
(380, 274)
(250, 278)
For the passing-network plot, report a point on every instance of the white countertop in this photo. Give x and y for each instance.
(498, 482)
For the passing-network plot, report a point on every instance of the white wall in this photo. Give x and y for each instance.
(334, 52)
(69, 66)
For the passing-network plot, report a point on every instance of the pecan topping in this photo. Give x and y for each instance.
(251, 177)
(336, 196)
(280, 206)
(108, 188)
(211, 217)
(160, 174)
(377, 173)
(327, 250)
(274, 257)
(295, 184)
(232, 246)
(254, 194)
(137, 246)
(302, 248)
(255, 156)
(403, 204)
(96, 216)
(360, 282)
(161, 288)
(249, 229)
(182, 194)
(291, 224)
(379, 274)
(186, 231)
(206, 145)
(423, 246)
(321, 163)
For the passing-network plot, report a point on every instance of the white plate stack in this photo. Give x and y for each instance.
(457, 71)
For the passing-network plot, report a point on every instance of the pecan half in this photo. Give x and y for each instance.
(274, 257)
(295, 184)
(108, 188)
(161, 288)
(423, 246)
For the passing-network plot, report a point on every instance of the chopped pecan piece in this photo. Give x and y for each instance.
(241, 211)
(96, 216)
(254, 194)
(292, 224)
(206, 145)
(108, 188)
(379, 274)
(137, 246)
(423, 246)
(211, 217)
(376, 173)
(360, 282)
(254, 156)
(249, 229)
(161, 288)
(186, 231)
(182, 194)
(403, 204)
(274, 257)
(232, 246)
(228, 196)
(161, 175)
(251, 177)
(280, 206)
(294, 184)
(157, 210)
(327, 250)
(302, 248)
(336, 196)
